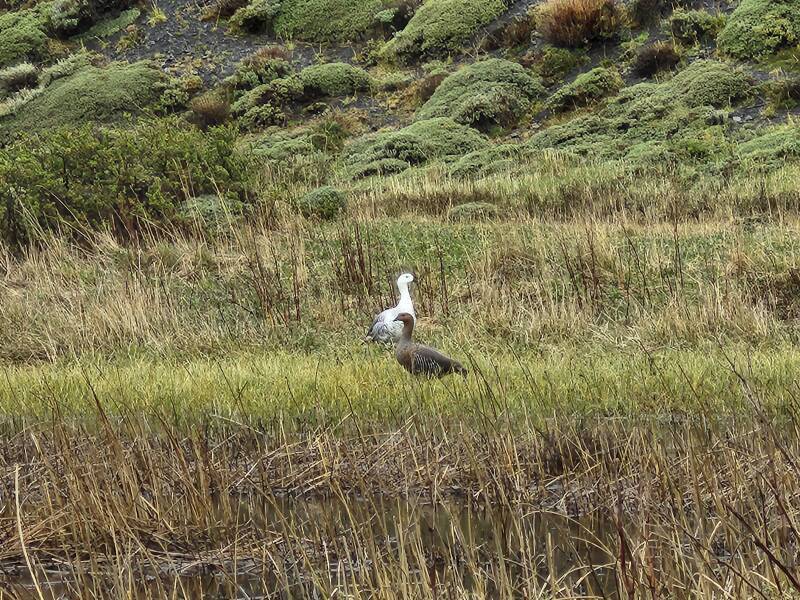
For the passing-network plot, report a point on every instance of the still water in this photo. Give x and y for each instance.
(345, 547)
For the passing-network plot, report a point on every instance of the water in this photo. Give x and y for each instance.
(311, 548)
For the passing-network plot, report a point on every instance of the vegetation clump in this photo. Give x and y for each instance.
(334, 79)
(657, 57)
(692, 26)
(325, 203)
(493, 159)
(90, 94)
(574, 23)
(85, 177)
(553, 63)
(759, 28)
(655, 122)
(23, 36)
(489, 93)
(440, 26)
(16, 78)
(587, 89)
(327, 20)
(257, 16)
(417, 144)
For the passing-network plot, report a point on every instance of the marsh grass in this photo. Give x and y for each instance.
(135, 501)
(191, 413)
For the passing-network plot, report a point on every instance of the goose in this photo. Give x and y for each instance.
(422, 360)
(384, 328)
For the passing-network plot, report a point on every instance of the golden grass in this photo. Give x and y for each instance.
(577, 22)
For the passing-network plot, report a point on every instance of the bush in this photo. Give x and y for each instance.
(18, 77)
(676, 112)
(494, 159)
(325, 203)
(493, 92)
(575, 23)
(553, 63)
(278, 94)
(654, 58)
(210, 109)
(256, 17)
(327, 20)
(772, 147)
(224, 9)
(259, 68)
(758, 28)
(109, 27)
(693, 26)
(22, 36)
(334, 79)
(442, 26)
(90, 94)
(783, 93)
(76, 177)
(416, 144)
(587, 89)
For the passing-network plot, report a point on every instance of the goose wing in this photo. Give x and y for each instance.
(380, 330)
(429, 361)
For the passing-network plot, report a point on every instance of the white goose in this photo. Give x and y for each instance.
(384, 328)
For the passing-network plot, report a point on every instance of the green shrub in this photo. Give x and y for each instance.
(90, 94)
(417, 144)
(493, 92)
(758, 28)
(212, 212)
(327, 20)
(277, 93)
(678, 111)
(258, 69)
(22, 36)
(587, 89)
(783, 92)
(693, 26)
(325, 203)
(772, 147)
(281, 145)
(257, 16)
(494, 159)
(66, 66)
(553, 63)
(442, 26)
(334, 79)
(16, 78)
(83, 176)
(473, 211)
(107, 28)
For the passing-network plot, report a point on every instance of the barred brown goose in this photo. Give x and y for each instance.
(422, 360)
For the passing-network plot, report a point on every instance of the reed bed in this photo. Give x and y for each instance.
(192, 414)
(144, 505)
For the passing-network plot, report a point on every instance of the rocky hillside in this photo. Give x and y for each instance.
(113, 112)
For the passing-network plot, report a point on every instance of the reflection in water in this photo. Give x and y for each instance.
(313, 548)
